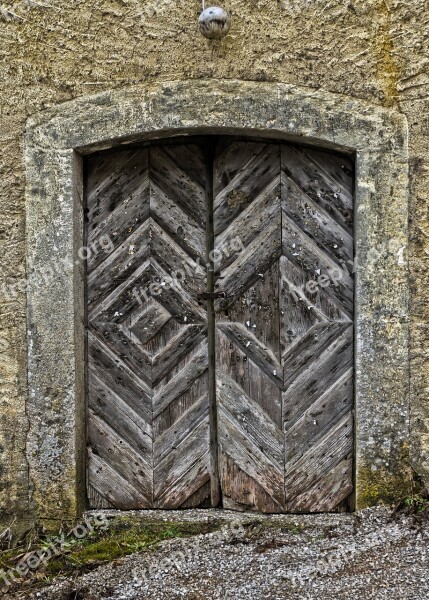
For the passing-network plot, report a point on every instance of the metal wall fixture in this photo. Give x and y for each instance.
(214, 22)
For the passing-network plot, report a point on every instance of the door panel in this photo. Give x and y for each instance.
(284, 343)
(317, 240)
(147, 347)
(282, 352)
(248, 368)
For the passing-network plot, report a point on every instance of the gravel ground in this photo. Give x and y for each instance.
(370, 555)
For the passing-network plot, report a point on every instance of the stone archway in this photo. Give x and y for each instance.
(56, 141)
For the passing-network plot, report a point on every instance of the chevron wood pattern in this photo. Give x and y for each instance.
(148, 423)
(283, 353)
(285, 342)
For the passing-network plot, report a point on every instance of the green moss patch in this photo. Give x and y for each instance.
(121, 537)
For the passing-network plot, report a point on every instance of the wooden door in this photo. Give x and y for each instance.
(276, 432)
(147, 335)
(285, 329)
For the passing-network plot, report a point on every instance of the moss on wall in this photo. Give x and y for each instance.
(388, 485)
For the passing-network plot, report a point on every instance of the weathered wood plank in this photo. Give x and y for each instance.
(115, 490)
(177, 183)
(317, 223)
(184, 470)
(246, 183)
(122, 458)
(176, 262)
(119, 265)
(117, 376)
(147, 329)
(127, 353)
(320, 417)
(317, 376)
(179, 226)
(254, 349)
(110, 407)
(169, 441)
(249, 371)
(249, 458)
(147, 321)
(110, 179)
(177, 386)
(301, 250)
(323, 185)
(310, 346)
(326, 494)
(251, 263)
(182, 344)
(242, 493)
(320, 460)
(252, 420)
(248, 224)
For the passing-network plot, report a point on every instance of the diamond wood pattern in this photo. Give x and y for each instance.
(284, 350)
(147, 351)
(283, 353)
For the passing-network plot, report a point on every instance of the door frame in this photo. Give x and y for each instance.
(57, 140)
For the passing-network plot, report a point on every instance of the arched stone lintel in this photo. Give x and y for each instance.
(57, 139)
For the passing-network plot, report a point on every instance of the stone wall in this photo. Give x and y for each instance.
(51, 52)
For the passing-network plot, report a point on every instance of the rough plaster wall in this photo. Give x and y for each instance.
(371, 49)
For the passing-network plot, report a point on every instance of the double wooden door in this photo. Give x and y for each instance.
(220, 327)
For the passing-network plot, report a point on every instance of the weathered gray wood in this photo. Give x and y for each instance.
(184, 426)
(177, 386)
(117, 267)
(320, 176)
(123, 458)
(174, 173)
(183, 471)
(182, 344)
(236, 187)
(254, 349)
(317, 222)
(250, 417)
(249, 223)
(215, 485)
(105, 403)
(235, 442)
(117, 376)
(317, 376)
(252, 263)
(309, 347)
(328, 493)
(177, 224)
(249, 370)
(319, 460)
(280, 418)
(117, 199)
(241, 492)
(315, 422)
(305, 346)
(312, 259)
(113, 490)
(147, 423)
